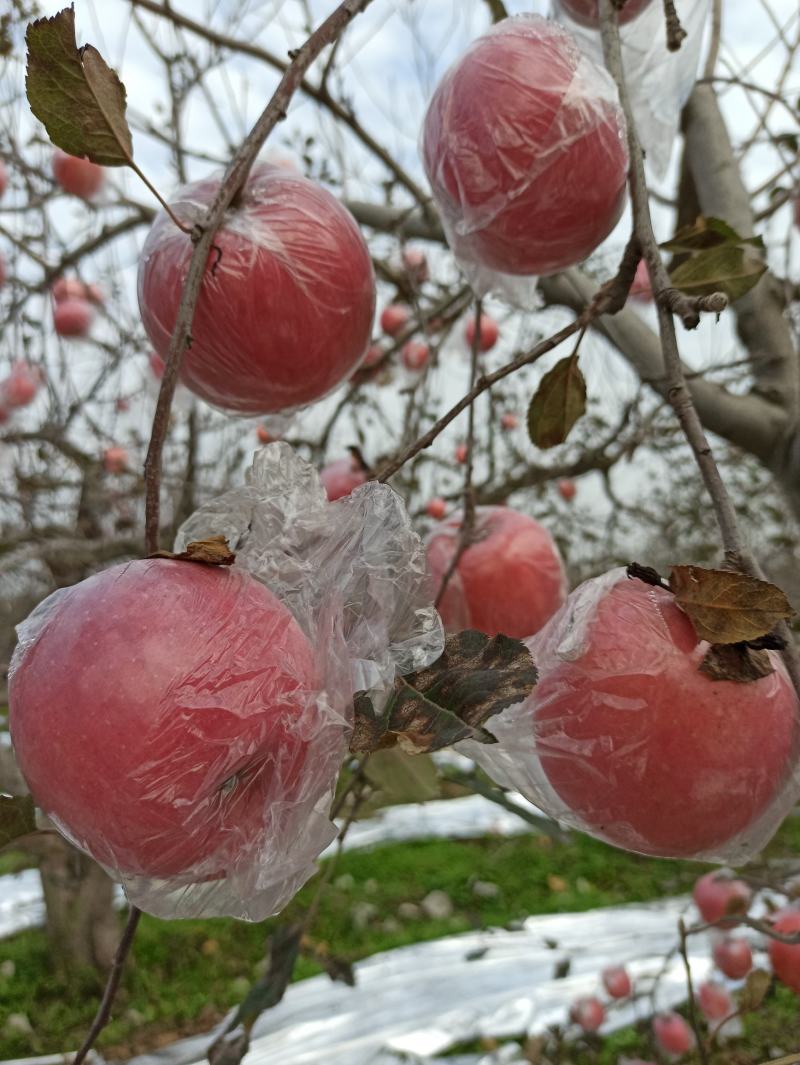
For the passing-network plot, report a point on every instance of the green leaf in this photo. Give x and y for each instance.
(706, 233)
(475, 678)
(77, 96)
(731, 269)
(559, 401)
(17, 818)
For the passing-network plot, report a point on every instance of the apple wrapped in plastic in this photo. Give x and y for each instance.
(287, 299)
(185, 724)
(624, 737)
(509, 580)
(524, 147)
(586, 12)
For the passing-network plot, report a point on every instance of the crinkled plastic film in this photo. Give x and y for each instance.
(659, 81)
(512, 587)
(199, 715)
(622, 738)
(504, 134)
(287, 300)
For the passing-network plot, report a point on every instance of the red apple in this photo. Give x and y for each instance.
(436, 508)
(616, 981)
(395, 318)
(785, 957)
(733, 957)
(115, 459)
(715, 1001)
(461, 453)
(641, 289)
(373, 357)
(586, 12)
(287, 299)
(3, 179)
(716, 895)
(70, 288)
(157, 365)
(415, 355)
(524, 147)
(490, 331)
(162, 714)
(647, 752)
(77, 176)
(20, 387)
(588, 1012)
(415, 265)
(566, 489)
(72, 318)
(672, 1033)
(509, 420)
(510, 580)
(341, 477)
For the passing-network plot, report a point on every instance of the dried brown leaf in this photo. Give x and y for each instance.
(213, 552)
(727, 607)
(736, 662)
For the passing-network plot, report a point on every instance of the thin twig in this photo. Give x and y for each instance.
(690, 1006)
(232, 183)
(112, 985)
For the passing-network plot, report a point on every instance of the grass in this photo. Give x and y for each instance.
(184, 976)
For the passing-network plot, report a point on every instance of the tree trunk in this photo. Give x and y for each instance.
(81, 922)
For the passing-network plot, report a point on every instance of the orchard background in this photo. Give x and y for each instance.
(622, 486)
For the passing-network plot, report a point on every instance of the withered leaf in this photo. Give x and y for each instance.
(77, 96)
(17, 818)
(727, 607)
(475, 678)
(213, 552)
(755, 989)
(736, 662)
(560, 400)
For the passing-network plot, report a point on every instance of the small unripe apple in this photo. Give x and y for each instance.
(415, 265)
(641, 288)
(20, 387)
(161, 717)
(509, 420)
(524, 147)
(461, 453)
(509, 580)
(586, 12)
(587, 1012)
(733, 957)
(395, 318)
(79, 177)
(415, 355)
(616, 981)
(490, 331)
(3, 179)
(115, 459)
(72, 318)
(715, 1001)
(672, 1033)
(567, 489)
(647, 752)
(287, 299)
(436, 508)
(717, 895)
(339, 478)
(785, 957)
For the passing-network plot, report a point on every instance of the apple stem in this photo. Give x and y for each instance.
(112, 985)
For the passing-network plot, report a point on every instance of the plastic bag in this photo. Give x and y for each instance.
(510, 579)
(287, 300)
(659, 81)
(626, 740)
(185, 724)
(524, 147)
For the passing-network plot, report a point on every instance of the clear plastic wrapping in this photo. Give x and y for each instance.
(287, 300)
(659, 81)
(509, 580)
(625, 739)
(185, 724)
(524, 146)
